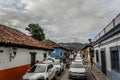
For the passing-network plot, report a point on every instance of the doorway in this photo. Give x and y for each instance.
(33, 57)
(45, 55)
(103, 61)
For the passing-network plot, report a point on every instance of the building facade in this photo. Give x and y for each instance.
(87, 52)
(58, 50)
(18, 52)
(107, 49)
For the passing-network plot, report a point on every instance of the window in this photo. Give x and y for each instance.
(61, 53)
(115, 58)
(54, 51)
(76, 65)
(50, 66)
(45, 55)
(97, 56)
(37, 69)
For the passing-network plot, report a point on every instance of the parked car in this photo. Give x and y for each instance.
(51, 59)
(78, 59)
(41, 72)
(77, 71)
(59, 66)
(78, 55)
(71, 57)
(47, 61)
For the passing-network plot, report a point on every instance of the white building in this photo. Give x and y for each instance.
(18, 52)
(107, 49)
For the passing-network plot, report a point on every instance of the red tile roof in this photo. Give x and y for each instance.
(52, 44)
(12, 36)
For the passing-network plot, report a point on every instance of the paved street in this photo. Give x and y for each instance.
(65, 75)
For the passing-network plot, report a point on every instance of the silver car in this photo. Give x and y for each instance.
(41, 72)
(78, 59)
(77, 71)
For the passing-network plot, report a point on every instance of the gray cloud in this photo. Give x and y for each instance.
(62, 20)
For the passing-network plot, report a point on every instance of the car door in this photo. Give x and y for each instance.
(50, 71)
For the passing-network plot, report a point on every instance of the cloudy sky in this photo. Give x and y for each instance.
(62, 20)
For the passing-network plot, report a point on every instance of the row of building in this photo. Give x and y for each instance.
(105, 50)
(18, 52)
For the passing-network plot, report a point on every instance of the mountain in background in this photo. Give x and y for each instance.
(75, 45)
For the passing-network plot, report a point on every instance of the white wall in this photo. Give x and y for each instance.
(22, 57)
(40, 54)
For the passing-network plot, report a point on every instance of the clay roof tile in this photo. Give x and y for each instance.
(13, 36)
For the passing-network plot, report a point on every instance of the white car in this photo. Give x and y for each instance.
(77, 71)
(41, 72)
(79, 59)
(51, 59)
(59, 66)
(48, 61)
(78, 55)
(71, 56)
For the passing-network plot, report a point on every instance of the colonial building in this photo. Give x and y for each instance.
(59, 50)
(87, 51)
(18, 52)
(107, 49)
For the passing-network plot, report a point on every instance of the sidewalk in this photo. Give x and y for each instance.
(98, 75)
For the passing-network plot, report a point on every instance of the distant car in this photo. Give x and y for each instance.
(41, 72)
(78, 59)
(71, 56)
(78, 55)
(77, 71)
(59, 66)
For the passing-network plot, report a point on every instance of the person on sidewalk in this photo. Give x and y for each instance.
(92, 63)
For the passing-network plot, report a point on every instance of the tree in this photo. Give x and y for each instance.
(36, 31)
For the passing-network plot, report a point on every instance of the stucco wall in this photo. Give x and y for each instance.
(22, 57)
(16, 68)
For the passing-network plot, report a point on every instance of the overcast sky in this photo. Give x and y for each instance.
(62, 20)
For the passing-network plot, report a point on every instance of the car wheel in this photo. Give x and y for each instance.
(63, 69)
(60, 72)
(47, 79)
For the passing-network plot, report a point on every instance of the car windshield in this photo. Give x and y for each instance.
(78, 58)
(37, 69)
(76, 65)
(57, 62)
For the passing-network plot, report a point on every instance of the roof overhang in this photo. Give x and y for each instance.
(109, 34)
